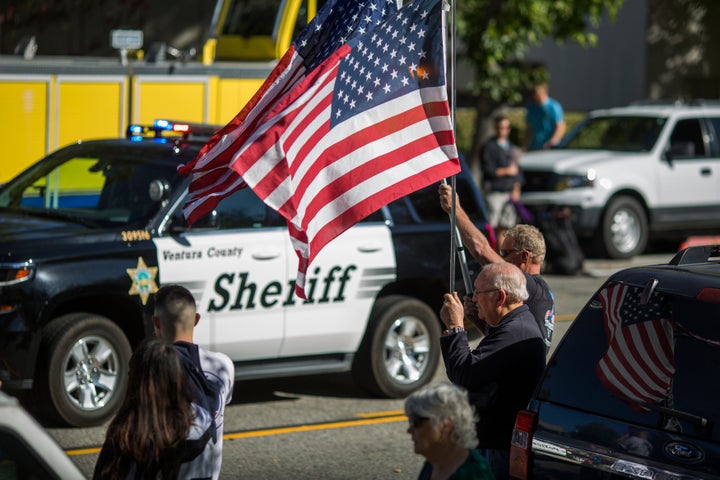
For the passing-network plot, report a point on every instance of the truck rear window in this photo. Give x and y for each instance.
(643, 363)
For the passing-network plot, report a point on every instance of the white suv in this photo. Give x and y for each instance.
(633, 173)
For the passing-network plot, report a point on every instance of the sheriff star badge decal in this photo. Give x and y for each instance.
(143, 280)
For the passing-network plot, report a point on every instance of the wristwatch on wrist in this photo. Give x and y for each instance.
(453, 330)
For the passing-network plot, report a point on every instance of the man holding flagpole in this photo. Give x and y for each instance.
(523, 246)
(500, 374)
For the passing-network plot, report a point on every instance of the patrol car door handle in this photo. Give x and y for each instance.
(265, 255)
(369, 248)
(705, 171)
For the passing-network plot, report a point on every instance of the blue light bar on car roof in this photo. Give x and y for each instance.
(135, 131)
(162, 124)
(171, 126)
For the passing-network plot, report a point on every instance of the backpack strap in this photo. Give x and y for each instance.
(199, 388)
(189, 449)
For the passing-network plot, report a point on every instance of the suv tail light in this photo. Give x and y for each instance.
(521, 444)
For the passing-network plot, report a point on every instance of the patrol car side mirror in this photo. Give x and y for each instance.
(159, 189)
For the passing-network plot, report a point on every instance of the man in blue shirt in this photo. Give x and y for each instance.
(544, 120)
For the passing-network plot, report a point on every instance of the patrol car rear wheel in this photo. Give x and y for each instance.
(401, 348)
(85, 368)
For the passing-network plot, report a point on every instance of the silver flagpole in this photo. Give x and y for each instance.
(456, 245)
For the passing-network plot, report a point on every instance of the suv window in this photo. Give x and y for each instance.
(423, 206)
(243, 209)
(686, 347)
(689, 133)
(618, 133)
(714, 136)
(98, 186)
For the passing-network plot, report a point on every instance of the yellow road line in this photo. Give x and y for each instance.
(564, 318)
(365, 419)
(83, 451)
(388, 413)
(309, 428)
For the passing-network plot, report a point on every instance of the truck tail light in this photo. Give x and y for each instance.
(521, 444)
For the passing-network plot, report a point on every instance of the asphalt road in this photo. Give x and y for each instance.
(324, 427)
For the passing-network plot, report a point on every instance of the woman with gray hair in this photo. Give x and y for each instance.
(442, 427)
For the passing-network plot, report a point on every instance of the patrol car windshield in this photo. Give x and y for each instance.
(617, 133)
(93, 185)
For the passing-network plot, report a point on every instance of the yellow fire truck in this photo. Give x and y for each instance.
(50, 102)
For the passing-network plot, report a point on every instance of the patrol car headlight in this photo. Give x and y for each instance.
(563, 182)
(10, 274)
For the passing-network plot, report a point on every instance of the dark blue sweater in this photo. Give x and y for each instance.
(500, 374)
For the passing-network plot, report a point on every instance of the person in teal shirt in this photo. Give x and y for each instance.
(544, 120)
(442, 427)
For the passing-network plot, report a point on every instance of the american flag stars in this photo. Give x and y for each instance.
(639, 364)
(346, 20)
(632, 311)
(388, 62)
(333, 143)
(336, 23)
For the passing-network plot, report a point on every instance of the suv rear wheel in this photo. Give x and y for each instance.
(401, 348)
(624, 228)
(85, 371)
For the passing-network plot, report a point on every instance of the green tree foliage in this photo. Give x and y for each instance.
(682, 39)
(496, 34)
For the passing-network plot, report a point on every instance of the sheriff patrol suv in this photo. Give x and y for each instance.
(632, 172)
(90, 232)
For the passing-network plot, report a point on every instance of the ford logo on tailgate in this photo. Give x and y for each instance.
(684, 451)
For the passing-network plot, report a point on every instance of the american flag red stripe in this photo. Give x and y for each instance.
(639, 364)
(363, 143)
(342, 144)
(336, 22)
(220, 184)
(355, 139)
(287, 72)
(212, 179)
(348, 180)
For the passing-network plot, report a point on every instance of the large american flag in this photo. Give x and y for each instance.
(369, 125)
(337, 22)
(639, 364)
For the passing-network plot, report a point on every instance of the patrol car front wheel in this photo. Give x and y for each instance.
(85, 369)
(401, 348)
